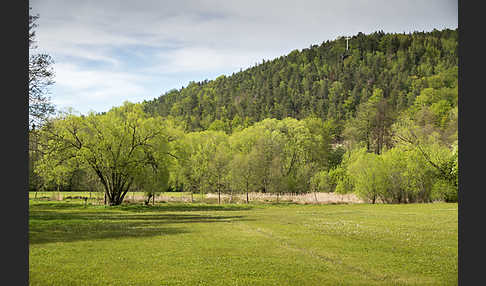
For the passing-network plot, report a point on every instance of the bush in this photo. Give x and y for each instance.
(442, 190)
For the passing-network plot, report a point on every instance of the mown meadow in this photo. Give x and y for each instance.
(242, 244)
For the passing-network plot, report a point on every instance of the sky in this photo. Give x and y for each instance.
(107, 52)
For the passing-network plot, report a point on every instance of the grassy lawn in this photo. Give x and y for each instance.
(256, 244)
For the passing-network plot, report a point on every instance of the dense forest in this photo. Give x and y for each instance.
(324, 80)
(378, 119)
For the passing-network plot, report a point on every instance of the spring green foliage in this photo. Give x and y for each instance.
(322, 182)
(123, 147)
(273, 156)
(367, 171)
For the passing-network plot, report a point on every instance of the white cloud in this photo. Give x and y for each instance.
(78, 87)
(194, 59)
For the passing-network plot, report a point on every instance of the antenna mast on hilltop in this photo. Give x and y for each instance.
(346, 52)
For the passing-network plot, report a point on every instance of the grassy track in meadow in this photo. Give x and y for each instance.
(205, 244)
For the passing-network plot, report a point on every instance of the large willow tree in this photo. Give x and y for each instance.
(118, 146)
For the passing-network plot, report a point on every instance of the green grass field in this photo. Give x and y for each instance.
(256, 244)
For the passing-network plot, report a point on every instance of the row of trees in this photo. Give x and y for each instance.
(403, 174)
(126, 148)
(289, 155)
(272, 156)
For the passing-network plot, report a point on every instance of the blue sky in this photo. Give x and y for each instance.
(107, 52)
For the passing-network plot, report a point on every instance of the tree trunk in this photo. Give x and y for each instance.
(368, 147)
(247, 190)
(147, 201)
(114, 198)
(219, 193)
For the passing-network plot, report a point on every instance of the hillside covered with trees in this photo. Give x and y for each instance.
(378, 120)
(324, 80)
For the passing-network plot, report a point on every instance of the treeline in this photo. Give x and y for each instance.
(324, 80)
(127, 149)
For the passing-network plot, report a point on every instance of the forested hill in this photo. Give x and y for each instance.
(323, 80)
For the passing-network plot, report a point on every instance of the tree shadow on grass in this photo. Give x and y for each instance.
(169, 207)
(182, 207)
(51, 225)
(56, 205)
